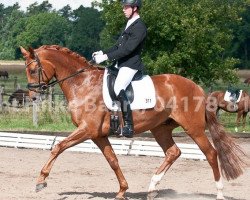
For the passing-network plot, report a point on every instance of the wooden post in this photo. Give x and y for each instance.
(14, 103)
(35, 113)
(23, 102)
(1, 98)
(51, 98)
(15, 83)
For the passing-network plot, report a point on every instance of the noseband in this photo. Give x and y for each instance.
(42, 86)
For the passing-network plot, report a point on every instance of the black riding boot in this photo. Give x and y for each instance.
(128, 128)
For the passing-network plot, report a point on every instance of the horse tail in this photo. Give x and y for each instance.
(230, 155)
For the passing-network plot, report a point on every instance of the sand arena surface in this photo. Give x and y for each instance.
(88, 176)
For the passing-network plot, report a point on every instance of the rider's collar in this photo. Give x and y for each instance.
(132, 20)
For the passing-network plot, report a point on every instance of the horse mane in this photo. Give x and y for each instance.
(63, 49)
(68, 51)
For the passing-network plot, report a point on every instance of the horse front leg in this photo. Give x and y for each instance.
(107, 150)
(74, 138)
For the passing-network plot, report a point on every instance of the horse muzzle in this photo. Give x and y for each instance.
(37, 87)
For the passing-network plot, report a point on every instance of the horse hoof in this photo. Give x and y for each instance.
(40, 186)
(152, 195)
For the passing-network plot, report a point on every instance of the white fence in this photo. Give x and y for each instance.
(123, 147)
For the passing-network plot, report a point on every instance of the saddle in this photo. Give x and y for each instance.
(138, 97)
(111, 77)
(233, 95)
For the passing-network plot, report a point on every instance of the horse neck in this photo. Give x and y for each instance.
(84, 81)
(65, 67)
(66, 64)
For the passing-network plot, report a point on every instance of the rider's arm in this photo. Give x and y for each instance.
(124, 49)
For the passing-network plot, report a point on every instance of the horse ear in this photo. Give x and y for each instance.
(24, 52)
(32, 53)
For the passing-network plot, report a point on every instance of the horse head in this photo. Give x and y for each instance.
(38, 72)
(46, 62)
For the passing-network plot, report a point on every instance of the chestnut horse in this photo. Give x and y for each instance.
(180, 102)
(241, 108)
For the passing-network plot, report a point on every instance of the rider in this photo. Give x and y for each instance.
(126, 56)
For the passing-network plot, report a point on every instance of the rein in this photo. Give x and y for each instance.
(70, 76)
(40, 87)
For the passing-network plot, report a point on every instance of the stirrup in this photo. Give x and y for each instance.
(127, 131)
(114, 124)
(124, 132)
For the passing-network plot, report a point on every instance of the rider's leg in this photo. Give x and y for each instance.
(128, 128)
(124, 77)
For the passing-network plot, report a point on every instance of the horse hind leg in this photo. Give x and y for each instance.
(200, 138)
(195, 128)
(163, 136)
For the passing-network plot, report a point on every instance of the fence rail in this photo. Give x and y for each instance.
(122, 147)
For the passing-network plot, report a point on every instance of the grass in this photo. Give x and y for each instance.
(20, 119)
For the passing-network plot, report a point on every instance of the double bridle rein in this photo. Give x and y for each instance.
(42, 86)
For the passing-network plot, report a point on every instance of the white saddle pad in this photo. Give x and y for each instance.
(228, 98)
(144, 94)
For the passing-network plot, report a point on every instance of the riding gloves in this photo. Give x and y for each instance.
(98, 58)
(97, 53)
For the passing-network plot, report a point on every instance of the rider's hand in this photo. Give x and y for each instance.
(100, 58)
(97, 53)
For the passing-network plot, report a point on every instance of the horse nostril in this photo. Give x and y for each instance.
(33, 98)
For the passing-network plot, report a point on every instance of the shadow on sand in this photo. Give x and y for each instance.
(162, 195)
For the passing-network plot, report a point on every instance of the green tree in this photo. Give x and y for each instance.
(66, 12)
(184, 37)
(241, 43)
(1, 15)
(43, 28)
(86, 27)
(36, 8)
(113, 16)
(41, 24)
(9, 16)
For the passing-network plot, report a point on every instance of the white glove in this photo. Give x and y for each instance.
(97, 53)
(100, 58)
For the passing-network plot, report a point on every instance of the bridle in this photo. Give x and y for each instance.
(42, 86)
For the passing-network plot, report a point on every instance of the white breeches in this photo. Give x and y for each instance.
(123, 79)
